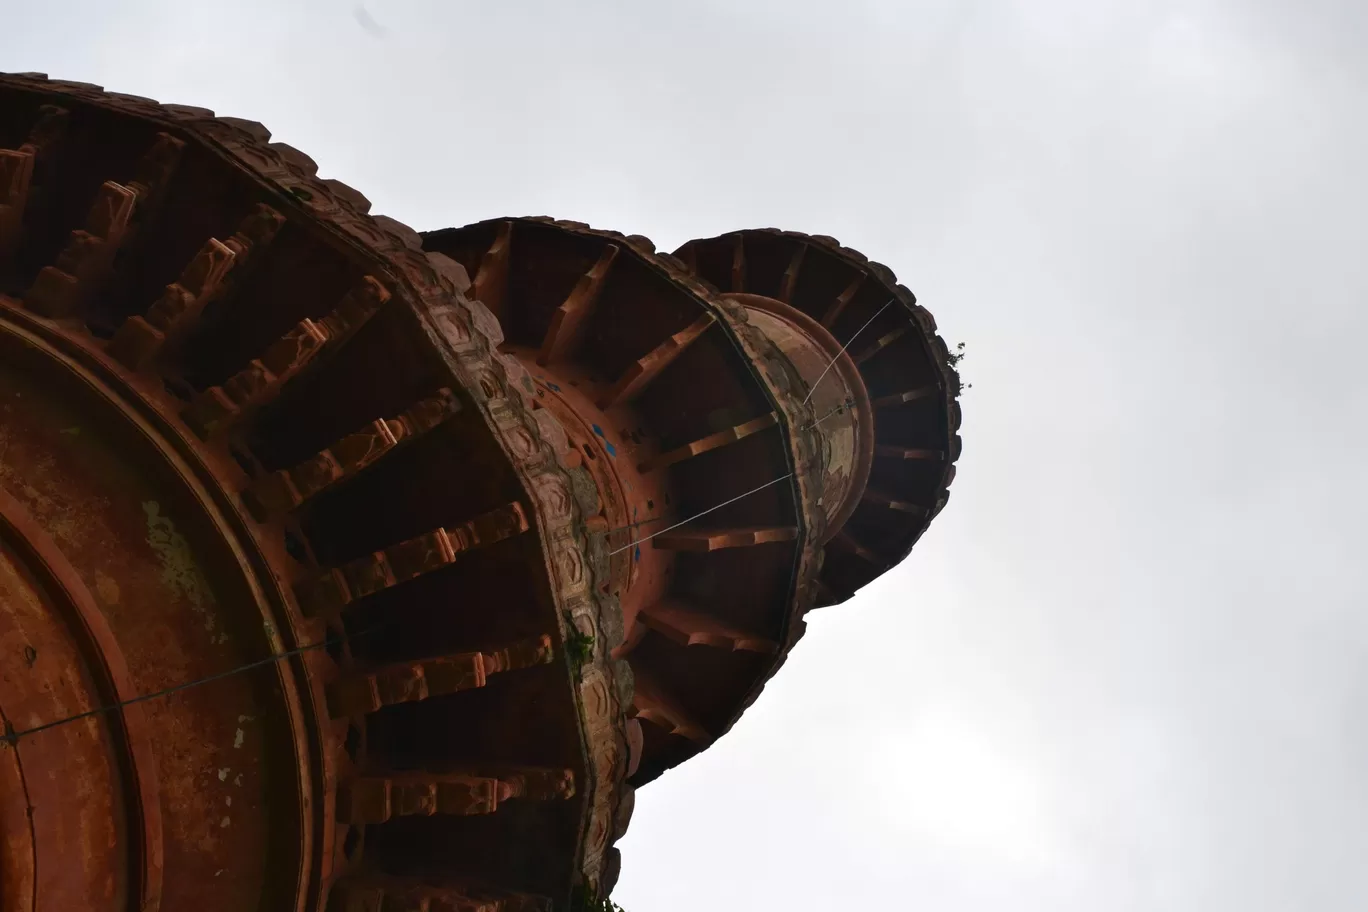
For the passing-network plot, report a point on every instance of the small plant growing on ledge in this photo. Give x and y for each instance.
(578, 646)
(953, 359)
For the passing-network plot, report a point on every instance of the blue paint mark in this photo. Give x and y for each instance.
(552, 387)
(612, 450)
(637, 555)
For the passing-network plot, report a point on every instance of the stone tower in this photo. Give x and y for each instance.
(379, 568)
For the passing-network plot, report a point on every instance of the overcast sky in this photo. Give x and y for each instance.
(1127, 668)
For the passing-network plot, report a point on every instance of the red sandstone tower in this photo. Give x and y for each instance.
(442, 543)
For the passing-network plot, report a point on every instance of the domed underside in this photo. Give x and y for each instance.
(239, 418)
(684, 417)
(905, 367)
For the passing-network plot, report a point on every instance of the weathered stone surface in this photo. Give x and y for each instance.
(461, 491)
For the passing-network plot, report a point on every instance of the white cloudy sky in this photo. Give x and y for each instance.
(1127, 669)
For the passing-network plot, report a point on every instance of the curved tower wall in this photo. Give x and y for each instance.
(762, 440)
(417, 554)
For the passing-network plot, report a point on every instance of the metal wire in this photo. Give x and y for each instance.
(813, 388)
(848, 404)
(773, 481)
(11, 737)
